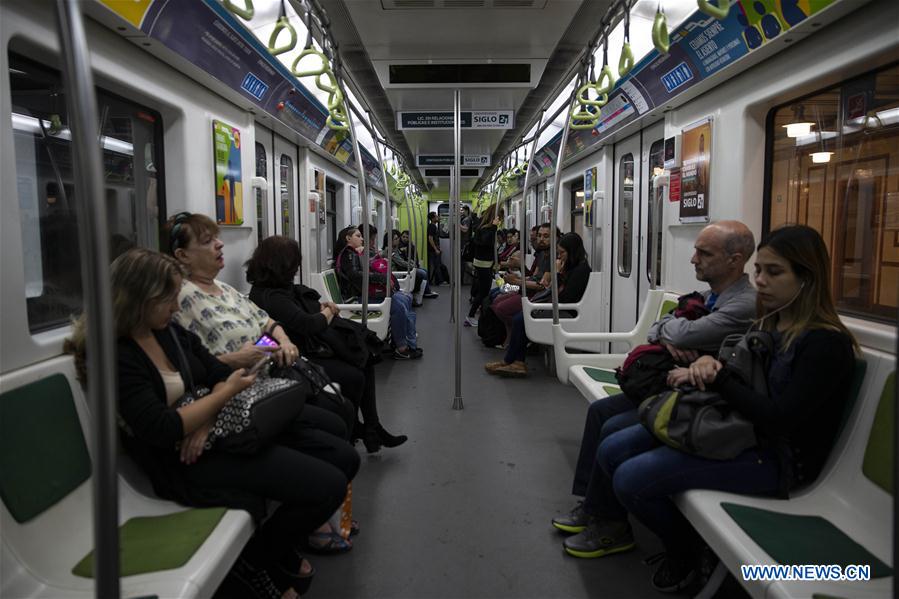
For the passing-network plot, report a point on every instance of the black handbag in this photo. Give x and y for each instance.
(251, 419)
(322, 392)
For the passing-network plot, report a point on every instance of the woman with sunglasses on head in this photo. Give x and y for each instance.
(796, 424)
(229, 324)
(272, 270)
(305, 470)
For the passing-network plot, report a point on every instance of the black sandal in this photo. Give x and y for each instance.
(288, 575)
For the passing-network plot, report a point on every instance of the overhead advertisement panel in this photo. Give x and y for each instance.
(700, 47)
(447, 160)
(443, 119)
(212, 39)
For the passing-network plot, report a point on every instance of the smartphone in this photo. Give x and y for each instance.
(258, 365)
(268, 343)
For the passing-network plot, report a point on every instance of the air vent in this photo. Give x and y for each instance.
(469, 4)
(459, 73)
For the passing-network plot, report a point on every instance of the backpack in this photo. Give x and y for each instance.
(702, 422)
(644, 371)
(491, 329)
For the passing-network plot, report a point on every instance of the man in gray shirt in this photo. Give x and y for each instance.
(721, 252)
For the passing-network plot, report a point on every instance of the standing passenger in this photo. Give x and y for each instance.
(435, 270)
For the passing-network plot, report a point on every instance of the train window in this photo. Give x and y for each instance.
(261, 171)
(625, 213)
(654, 214)
(131, 138)
(287, 195)
(835, 170)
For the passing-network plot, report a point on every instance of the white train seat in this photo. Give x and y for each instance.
(593, 373)
(844, 518)
(586, 319)
(46, 534)
(328, 287)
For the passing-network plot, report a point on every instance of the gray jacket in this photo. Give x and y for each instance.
(734, 312)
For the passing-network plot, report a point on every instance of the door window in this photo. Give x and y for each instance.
(287, 195)
(625, 214)
(654, 216)
(261, 212)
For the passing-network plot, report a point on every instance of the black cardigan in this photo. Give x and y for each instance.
(152, 428)
(574, 283)
(806, 417)
(349, 274)
(296, 308)
(484, 240)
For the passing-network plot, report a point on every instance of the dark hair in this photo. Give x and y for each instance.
(549, 226)
(430, 214)
(466, 207)
(574, 247)
(184, 227)
(534, 229)
(511, 231)
(372, 230)
(274, 263)
(340, 242)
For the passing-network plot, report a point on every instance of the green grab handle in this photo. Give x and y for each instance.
(660, 33)
(314, 72)
(334, 126)
(583, 95)
(245, 13)
(583, 127)
(626, 62)
(607, 75)
(719, 11)
(280, 25)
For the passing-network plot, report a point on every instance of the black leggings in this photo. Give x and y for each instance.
(483, 280)
(307, 471)
(357, 384)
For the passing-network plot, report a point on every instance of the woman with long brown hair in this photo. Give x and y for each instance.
(484, 241)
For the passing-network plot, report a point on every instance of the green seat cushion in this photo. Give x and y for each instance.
(791, 539)
(357, 314)
(333, 286)
(667, 306)
(611, 390)
(601, 375)
(151, 544)
(43, 456)
(879, 454)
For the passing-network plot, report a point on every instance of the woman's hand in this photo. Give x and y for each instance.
(677, 377)
(192, 445)
(703, 371)
(546, 280)
(560, 266)
(238, 381)
(288, 353)
(329, 312)
(245, 357)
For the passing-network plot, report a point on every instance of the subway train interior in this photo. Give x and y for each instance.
(747, 150)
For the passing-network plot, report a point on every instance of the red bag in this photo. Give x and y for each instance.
(379, 265)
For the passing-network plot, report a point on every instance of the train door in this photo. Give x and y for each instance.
(286, 187)
(264, 194)
(331, 216)
(625, 265)
(652, 157)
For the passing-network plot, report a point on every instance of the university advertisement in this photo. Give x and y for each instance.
(696, 150)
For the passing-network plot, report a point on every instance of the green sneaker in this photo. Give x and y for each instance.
(600, 539)
(574, 521)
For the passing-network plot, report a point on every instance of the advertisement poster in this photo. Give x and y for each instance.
(696, 153)
(589, 192)
(228, 181)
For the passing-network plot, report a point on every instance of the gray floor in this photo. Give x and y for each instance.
(463, 509)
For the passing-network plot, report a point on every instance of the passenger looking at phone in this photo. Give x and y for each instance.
(311, 324)
(305, 469)
(720, 254)
(226, 321)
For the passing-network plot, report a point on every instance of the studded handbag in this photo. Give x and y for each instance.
(253, 418)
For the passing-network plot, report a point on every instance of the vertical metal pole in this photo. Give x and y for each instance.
(523, 210)
(452, 231)
(389, 200)
(366, 216)
(457, 258)
(557, 178)
(93, 235)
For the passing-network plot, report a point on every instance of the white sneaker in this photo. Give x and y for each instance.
(470, 321)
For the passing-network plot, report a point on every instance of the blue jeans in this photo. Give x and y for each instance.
(518, 341)
(402, 320)
(604, 417)
(645, 474)
(421, 276)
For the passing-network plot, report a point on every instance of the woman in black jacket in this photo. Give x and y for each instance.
(310, 324)
(306, 469)
(484, 241)
(574, 274)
